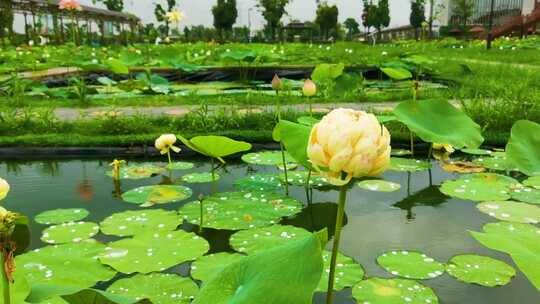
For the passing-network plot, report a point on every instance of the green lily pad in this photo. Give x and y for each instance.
(139, 171)
(523, 148)
(408, 165)
(136, 222)
(438, 121)
(299, 179)
(255, 240)
(393, 291)
(526, 194)
(510, 211)
(379, 185)
(348, 272)
(157, 287)
(153, 251)
(533, 182)
(240, 210)
(267, 158)
(60, 216)
(69, 232)
(520, 241)
(258, 182)
(207, 266)
(410, 265)
(477, 151)
(497, 162)
(69, 264)
(400, 152)
(480, 187)
(156, 195)
(481, 270)
(284, 274)
(180, 166)
(200, 178)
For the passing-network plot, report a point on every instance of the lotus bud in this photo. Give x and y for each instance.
(4, 188)
(310, 88)
(349, 144)
(277, 84)
(165, 143)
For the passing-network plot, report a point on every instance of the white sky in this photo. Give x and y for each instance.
(199, 11)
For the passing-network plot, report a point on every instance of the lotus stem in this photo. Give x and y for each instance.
(310, 107)
(411, 136)
(4, 277)
(169, 156)
(335, 246)
(285, 168)
(213, 172)
(201, 223)
(307, 186)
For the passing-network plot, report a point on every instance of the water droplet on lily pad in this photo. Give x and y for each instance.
(510, 211)
(200, 178)
(59, 216)
(379, 185)
(533, 182)
(267, 158)
(139, 171)
(480, 187)
(255, 240)
(153, 251)
(408, 164)
(410, 265)
(481, 270)
(348, 272)
(400, 152)
(393, 291)
(300, 178)
(157, 287)
(207, 266)
(258, 182)
(156, 195)
(495, 162)
(477, 151)
(241, 210)
(136, 222)
(69, 232)
(526, 194)
(180, 166)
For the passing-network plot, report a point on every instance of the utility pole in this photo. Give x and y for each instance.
(490, 25)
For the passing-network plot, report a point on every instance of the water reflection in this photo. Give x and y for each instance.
(430, 196)
(316, 217)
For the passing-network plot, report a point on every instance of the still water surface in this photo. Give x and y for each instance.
(416, 218)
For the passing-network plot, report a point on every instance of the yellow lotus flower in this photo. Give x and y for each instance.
(347, 144)
(116, 164)
(175, 16)
(4, 188)
(310, 88)
(165, 143)
(446, 147)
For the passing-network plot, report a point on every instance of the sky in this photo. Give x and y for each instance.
(198, 12)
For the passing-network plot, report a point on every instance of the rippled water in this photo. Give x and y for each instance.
(417, 218)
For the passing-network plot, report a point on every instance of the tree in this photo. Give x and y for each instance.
(6, 19)
(225, 14)
(382, 16)
(417, 17)
(369, 16)
(464, 9)
(273, 11)
(327, 18)
(112, 5)
(352, 27)
(161, 14)
(431, 18)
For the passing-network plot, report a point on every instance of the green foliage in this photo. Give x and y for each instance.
(464, 9)
(215, 146)
(352, 27)
(272, 11)
(417, 16)
(225, 14)
(523, 149)
(327, 18)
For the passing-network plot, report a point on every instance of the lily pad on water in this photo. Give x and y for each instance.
(284, 274)
(137, 222)
(480, 270)
(533, 182)
(157, 287)
(462, 167)
(410, 265)
(523, 148)
(400, 152)
(240, 210)
(408, 164)
(207, 266)
(69, 264)
(215, 146)
(200, 178)
(60, 216)
(348, 272)
(180, 166)
(153, 251)
(495, 162)
(510, 211)
(260, 239)
(526, 194)
(379, 185)
(139, 171)
(393, 291)
(520, 241)
(258, 182)
(267, 158)
(480, 187)
(156, 195)
(300, 178)
(69, 232)
(477, 151)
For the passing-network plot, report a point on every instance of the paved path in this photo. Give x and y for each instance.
(71, 114)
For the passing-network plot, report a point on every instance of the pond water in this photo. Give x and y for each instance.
(376, 222)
